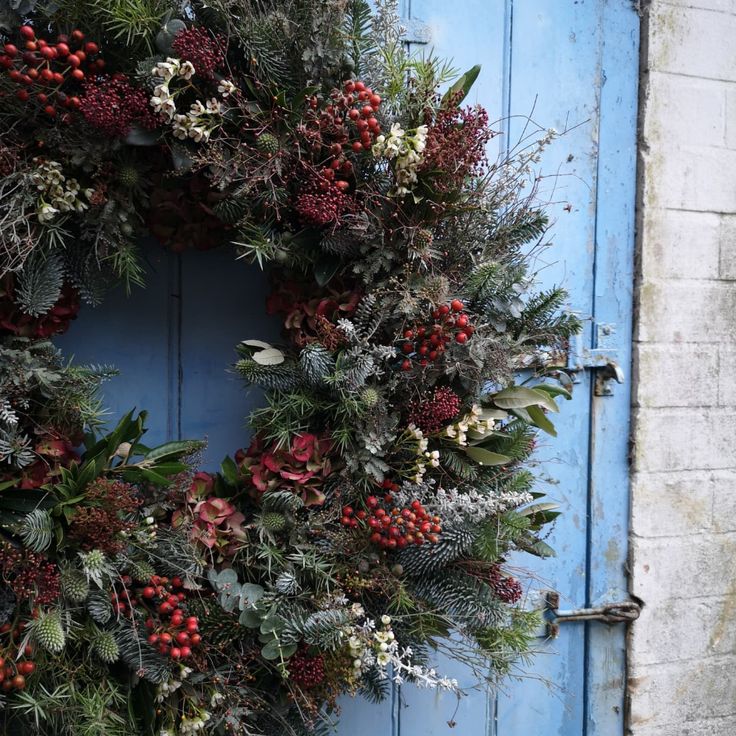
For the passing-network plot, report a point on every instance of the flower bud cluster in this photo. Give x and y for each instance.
(405, 151)
(57, 193)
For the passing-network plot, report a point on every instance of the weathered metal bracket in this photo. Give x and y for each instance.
(603, 359)
(609, 613)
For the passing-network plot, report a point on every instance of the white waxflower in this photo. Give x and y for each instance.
(186, 70)
(226, 88)
(46, 212)
(383, 659)
(199, 133)
(357, 664)
(214, 106)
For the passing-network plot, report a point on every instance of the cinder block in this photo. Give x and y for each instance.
(688, 177)
(684, 695)
(679, 245)
(658, 637)
(727, 246)
(692, 41)
(706, 727)
(686, 566)
(685, 110)
(686, 311)
(724, 502)
(722, 6)
(668, 440)
(676, 375)
(671, 504)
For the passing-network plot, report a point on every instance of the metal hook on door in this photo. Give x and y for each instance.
(609, 613)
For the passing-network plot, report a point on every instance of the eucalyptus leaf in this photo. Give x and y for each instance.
(519, 397)
(486, 457)
(539, 419)
(269, 356)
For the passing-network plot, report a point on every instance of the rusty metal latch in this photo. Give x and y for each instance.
(609, 613)
(603, 358)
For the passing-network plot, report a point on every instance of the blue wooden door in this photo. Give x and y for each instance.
(571, 64)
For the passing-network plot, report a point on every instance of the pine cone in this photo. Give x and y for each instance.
(49, 632)
(106, 648)
(74, 585)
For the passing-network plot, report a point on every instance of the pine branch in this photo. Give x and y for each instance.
(454, 544)
(39, 284)
(140, 656)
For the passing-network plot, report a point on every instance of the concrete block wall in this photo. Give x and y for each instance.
(682, 653)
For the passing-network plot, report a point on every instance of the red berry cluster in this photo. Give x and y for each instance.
(171, 631)
(102, 520)
(346, 124)
(30, 575)
(48, 71)
(431, 414)
(112, 105)
(13, 668)
(508, 589)
(322, 202)
(426, 343)
(205, 52)
(393, 527)
(306, 670)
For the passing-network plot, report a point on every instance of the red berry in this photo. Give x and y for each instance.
(165, 608)
(359, 86)
(182, 637)
(175, 653)
(375, 100)
(62, 49)
(22, 95)
(19, 682)
(461, 338)
(457, 305)
(58, 78)
(343, 185)
(153, 639)
(74, 60)
(91, 47)
(50, 110)
(186, 652)
(77, 35)
(177, 619)
(27, 32)
(26, 668)
(11, 50)
(349, 86)
(357, 147)
(367, 111)
(166, 637)
(469, 330)
(47, 75)
(149, 591)
(78, 74)
(361, 125)
(48, 52)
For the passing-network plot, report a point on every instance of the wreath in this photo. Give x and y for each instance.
(387, 480)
